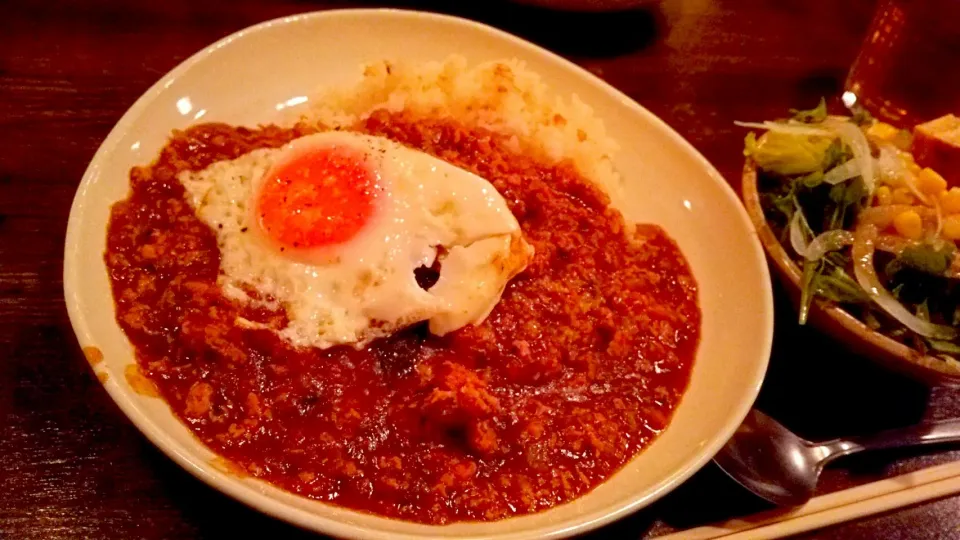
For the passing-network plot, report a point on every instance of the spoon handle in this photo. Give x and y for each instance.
(925, 433)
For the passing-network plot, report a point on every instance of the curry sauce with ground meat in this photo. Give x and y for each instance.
(577, 369)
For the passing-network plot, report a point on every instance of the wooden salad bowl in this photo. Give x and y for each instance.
(834, 321)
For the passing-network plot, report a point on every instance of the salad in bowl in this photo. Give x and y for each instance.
(869, 214)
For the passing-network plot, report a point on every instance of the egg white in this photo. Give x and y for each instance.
(365, 288)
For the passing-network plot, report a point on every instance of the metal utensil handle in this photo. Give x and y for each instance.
(925, 433)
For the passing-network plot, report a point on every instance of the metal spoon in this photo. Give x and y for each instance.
(772, 462)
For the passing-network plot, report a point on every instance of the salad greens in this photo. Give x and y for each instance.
(823, 207)
(933, 258)
(787, 153)
(816, 176)
(815, 115)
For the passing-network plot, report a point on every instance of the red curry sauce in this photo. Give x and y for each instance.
(578, 368)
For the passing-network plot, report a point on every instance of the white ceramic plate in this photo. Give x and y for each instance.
(247, 77)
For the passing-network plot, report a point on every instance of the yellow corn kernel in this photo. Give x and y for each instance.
(930, 182)
(909, 225)
(950, 201)
(907, 159)
(902, 195)
(895, 181)
(884, 195)
(882, 131)
(951, 227)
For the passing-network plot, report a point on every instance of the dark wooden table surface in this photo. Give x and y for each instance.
(72, 466)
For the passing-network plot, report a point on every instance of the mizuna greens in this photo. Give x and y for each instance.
(871, 229)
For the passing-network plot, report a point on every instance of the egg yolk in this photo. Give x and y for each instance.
(321, 197)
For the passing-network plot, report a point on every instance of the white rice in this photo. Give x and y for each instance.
(503, 96)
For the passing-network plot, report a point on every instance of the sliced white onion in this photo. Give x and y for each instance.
(842, 172)
(936, 206)
(819, 246)
(891, 168)
(827, 242)
(892, 243)
(866, 274)
(889, 165)
(852, 135)
(794, 129)
(798, 236)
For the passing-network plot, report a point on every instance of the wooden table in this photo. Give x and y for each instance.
(72, 466)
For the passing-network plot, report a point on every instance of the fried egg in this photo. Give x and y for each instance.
(332, 227)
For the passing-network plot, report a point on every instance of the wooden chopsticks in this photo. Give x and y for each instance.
(837, 507)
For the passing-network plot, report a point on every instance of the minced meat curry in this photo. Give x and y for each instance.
(577, 369)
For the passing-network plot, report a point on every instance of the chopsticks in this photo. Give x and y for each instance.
(854, 503)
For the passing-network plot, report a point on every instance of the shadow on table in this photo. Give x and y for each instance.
(821, 391)
(213, 514)
(593, 35)
(708, 497)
